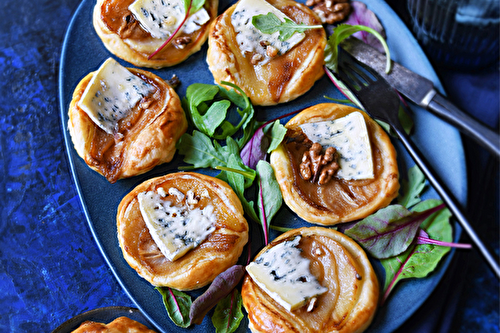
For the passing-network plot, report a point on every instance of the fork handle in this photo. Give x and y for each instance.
(447, 197)
(444, 109)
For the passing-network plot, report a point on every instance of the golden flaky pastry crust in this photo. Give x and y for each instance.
(340, 265)
(282, 79)
(199, 266)
(340, 200)
(119, 325)
(146, 138)
(137, 45)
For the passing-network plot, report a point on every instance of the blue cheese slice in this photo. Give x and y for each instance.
(176, 229)
(162, 17)
(111, 94)
(285, 276)
(349, 136)
(249, 38)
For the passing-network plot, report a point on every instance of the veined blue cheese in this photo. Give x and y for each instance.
(285, 276)
(162, 17)
(111, 94)
(249, 38)
(349, 136)
(176, 229)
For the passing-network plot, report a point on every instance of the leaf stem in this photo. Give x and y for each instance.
(307, 27)
(249, 253)
(394, 280)
(175, 32)
(280, 229)
(416, 217)
(176, 303)
(263, 210)
(426, 240)
(247, 175)
(230, 311)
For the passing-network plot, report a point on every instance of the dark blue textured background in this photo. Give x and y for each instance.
(50, 267)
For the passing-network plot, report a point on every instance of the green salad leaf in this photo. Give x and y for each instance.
(389, 231)
(208, 108)
(412, 188)
(237, 182)
(275, 135)
(343, 31)
(201, 152)
(270, 23)
(340, 33)
(270, 198)
(228, 313)
(192, 6)
(178, 305)
(266, 139)
(419, 260)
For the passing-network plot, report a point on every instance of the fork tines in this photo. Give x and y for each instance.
(357, 74)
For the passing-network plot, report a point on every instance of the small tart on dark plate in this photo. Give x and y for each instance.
(126, 36)
(132, 145)
(119, 325)
(340, 199)
(269, 71)
(349, 287)
(178, 199)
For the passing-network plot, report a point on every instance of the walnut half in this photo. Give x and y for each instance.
(330, 11)
(181, 42)
(318, 166)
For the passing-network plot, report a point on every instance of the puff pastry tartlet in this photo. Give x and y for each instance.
(143, 139)
(340, 266)
(273, 79)
(199, 265)
(124, 35)
(119, 325)
(340, 200)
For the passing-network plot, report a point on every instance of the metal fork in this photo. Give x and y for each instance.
(382, 102)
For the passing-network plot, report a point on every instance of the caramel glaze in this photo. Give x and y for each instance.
(338, 196)
(336, 268)
(274, 76)
(120, 20)
(107, 151)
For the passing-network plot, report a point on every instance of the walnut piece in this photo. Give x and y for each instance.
(271, 51)
(181, 42)
(127, 26)
(318, 166)
(330, 11)
(256, 58)
(174, 82)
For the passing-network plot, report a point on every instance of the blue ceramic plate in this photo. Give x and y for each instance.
(83, 52)
(103, 315)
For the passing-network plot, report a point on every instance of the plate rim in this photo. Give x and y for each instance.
(73, 156)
